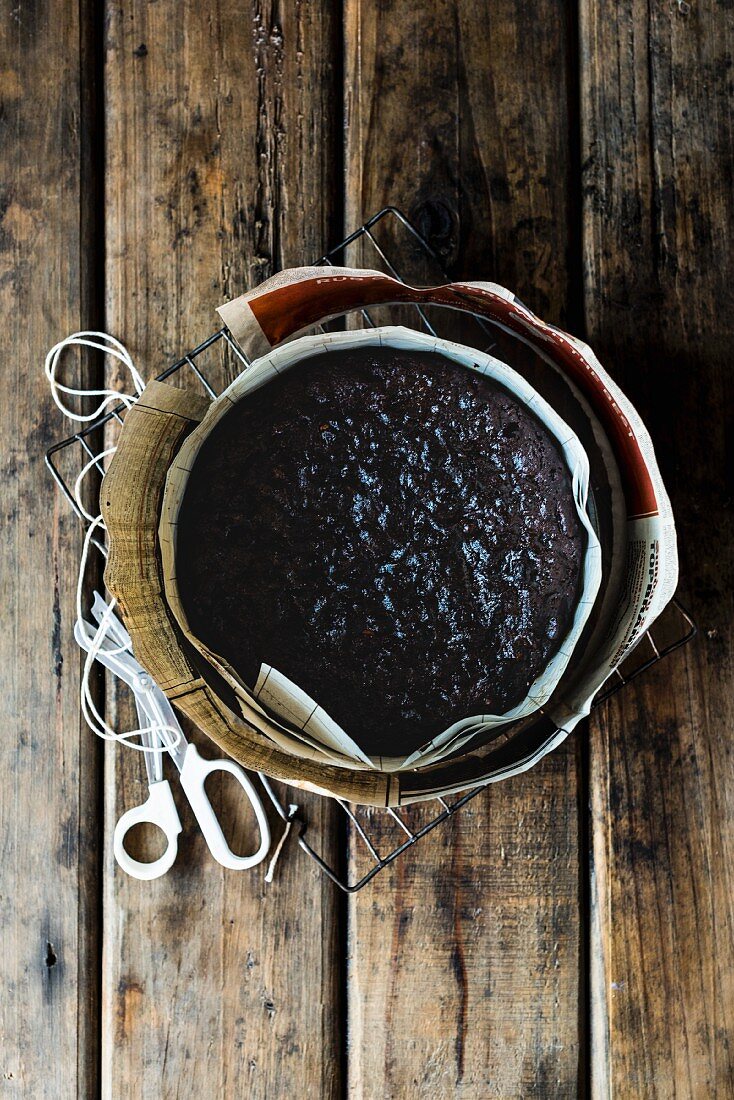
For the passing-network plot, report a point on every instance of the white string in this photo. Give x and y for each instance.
(112, 347)
(168, 736)
(164, 736)
(78, 483)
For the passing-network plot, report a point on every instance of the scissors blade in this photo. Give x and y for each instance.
(115, 629)
(154, 703)
(151, 742)
(123, 665)
(161, 713)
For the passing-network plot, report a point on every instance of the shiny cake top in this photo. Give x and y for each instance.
(393, 532)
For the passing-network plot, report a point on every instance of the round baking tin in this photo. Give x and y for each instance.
(633, 516)
(305, 739)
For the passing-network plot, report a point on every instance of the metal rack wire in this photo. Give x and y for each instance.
(670, 632)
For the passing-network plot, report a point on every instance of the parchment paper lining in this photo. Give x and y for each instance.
(293, 720)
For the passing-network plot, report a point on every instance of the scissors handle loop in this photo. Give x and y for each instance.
(158, 809)
(194, 774)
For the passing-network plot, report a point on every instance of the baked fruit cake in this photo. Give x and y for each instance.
(395, 533)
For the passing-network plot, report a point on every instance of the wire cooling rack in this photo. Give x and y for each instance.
(391, 242)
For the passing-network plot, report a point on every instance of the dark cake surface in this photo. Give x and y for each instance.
(393, 532)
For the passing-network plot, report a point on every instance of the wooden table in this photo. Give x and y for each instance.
(572, 933)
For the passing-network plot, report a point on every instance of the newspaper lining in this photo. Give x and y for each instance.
(280, 309)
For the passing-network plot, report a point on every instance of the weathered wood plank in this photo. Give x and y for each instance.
(464, 959)
(220, 147)
(49, 762)
(462, 971)
(658, 217)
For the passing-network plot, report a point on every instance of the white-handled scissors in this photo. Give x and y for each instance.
(165, 733)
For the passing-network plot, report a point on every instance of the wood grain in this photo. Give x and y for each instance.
(49, 763)
(222, 153)
(464, 972)
(658, 215)
(219, 158)
(439, 124)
